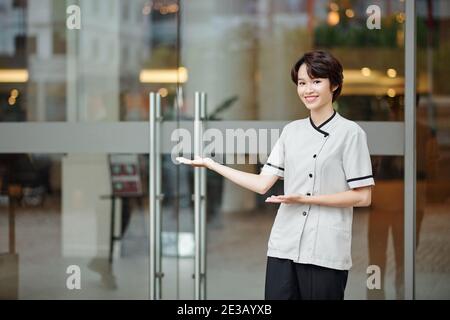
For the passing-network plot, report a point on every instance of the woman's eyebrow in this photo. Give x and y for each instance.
(314, 78)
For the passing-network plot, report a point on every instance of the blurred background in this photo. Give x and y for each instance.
(72, 100)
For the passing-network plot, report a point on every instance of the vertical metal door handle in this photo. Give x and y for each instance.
(155, 196)
(199, 200)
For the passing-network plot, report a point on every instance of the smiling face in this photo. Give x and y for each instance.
(315, 93)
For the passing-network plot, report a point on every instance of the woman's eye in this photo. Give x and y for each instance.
(301, 83)
(317, 81)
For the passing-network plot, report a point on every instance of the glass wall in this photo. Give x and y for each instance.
(92, 62)
(79, 62)
(241, 54)
(242, 51)
(433, 151)
(88, 62)
(57, 222)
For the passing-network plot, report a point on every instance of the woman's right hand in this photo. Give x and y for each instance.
(197, 162)
(255, 182)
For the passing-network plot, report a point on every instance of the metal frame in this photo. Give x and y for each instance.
(199, 200)
(131, 137)
(410, 150)
(155, 197)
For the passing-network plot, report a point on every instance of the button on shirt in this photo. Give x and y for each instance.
(313, 160)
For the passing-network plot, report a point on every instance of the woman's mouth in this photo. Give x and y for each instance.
(310, 99)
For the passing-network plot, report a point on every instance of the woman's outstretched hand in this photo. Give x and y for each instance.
(294, 198)
(197, 162)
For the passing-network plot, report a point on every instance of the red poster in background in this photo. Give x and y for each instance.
(125, 175)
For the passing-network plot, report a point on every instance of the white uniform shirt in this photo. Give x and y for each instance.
(330, 158)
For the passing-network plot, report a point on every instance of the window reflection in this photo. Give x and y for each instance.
(98, 67)
(66, 202)
(86, 74)
(433, 170)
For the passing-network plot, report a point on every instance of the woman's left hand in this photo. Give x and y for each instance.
(293, 198)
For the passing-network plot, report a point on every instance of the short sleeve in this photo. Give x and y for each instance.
(275, 162)
(356, 161)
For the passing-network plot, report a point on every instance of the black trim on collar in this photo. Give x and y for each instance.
(324, 123)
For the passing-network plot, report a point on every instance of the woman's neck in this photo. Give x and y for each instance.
(320, 115)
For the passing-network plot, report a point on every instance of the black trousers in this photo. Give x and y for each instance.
(287, 280)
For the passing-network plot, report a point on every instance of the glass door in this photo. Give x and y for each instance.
(241, 53)
(432, 263)
(75, 139)
(75, 78)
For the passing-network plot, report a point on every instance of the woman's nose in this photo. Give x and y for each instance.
(308, 88)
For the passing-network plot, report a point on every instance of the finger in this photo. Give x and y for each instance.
(188, 162)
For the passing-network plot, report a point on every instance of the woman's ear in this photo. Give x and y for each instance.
(334, 88)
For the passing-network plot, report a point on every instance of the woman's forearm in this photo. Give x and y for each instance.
(350, 198)
(251, 181)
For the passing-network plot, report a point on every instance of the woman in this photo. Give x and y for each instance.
(325, 163)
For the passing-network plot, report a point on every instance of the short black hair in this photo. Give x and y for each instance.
(321, 64)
